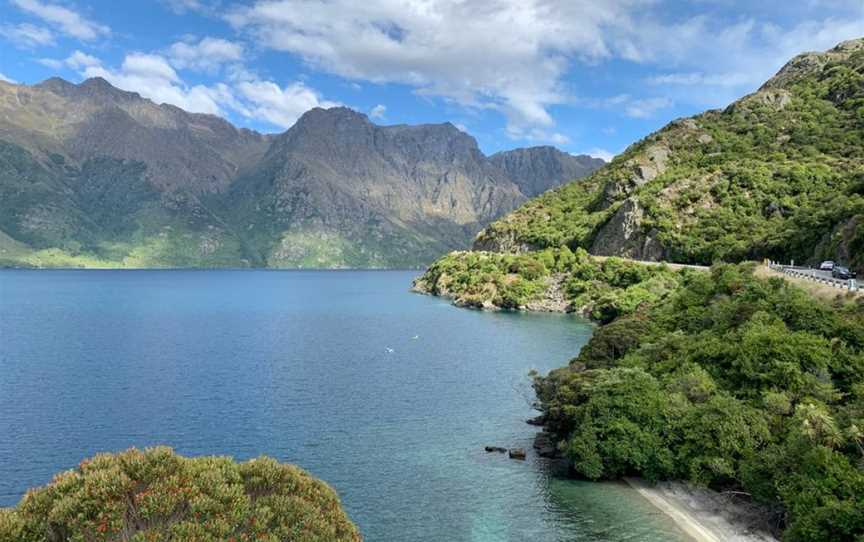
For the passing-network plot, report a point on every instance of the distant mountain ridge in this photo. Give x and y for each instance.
(94, 175)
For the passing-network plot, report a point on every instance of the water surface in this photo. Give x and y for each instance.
(386, 395)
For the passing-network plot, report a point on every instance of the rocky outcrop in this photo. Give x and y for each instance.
(644, 168)
(552, 299)
(623, 235)
(807, 64)
(545, 445)
(492, 240)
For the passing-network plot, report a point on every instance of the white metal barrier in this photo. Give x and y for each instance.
(813, 275)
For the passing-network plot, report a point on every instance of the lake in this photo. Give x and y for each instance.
(388, 396)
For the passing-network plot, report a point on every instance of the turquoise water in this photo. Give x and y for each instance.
(388, 396)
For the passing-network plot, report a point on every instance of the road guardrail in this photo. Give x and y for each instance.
(814, 275)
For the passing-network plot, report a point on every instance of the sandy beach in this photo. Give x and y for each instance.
(704, 515)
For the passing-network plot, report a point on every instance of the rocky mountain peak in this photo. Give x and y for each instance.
(807, 64)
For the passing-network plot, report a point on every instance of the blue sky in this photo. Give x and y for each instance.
(585, 75)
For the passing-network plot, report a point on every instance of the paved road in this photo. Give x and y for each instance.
(818, 273)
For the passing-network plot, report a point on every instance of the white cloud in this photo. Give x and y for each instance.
(537, 135)
(182, 7)
(522, 57)
(7, 79)
(207, 55)
(646, 107)
(280, 106)
(442, 48)
(723, 64)
(79, 60)
(153, 77)
(378, 112)
(64, 19)
(27, 35)
(52, 63)
(76, 61)
(638, 108)
(601, 153)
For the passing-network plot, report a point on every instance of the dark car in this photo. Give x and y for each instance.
(842, 273)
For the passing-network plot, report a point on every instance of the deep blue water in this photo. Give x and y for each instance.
(297, 365)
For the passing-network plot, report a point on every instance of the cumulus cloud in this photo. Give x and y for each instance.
(522, 57)
(206, 55)
(280, 106)
(444, 48)
(153, 76)
(378, 112)
(27, 36)
(601, 153)
(64, 19)
(7, 79)
(78, 60)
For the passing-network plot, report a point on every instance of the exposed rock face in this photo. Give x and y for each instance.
(538, 169)
(623, 235)
(644, 169)
(506, 242)
(553, 298)
(807, 64)
(161, 186)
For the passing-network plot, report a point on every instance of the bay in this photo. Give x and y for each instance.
(388, 396)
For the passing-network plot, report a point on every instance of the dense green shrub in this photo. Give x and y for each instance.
(156, 495)
(730, 381)
(601, 289)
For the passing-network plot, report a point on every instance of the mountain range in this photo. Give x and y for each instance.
(91, 175)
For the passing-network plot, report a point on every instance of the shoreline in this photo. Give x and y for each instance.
(702, 514)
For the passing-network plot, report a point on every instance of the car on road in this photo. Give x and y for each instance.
(840, 272)
(826, 265)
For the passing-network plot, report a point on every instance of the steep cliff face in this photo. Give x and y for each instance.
(778, 174)
(538, 169)
(93, 175)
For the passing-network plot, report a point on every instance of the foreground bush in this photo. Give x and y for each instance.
(157, 495)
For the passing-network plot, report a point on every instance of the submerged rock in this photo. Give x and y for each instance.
(498, 449)
(517, 453)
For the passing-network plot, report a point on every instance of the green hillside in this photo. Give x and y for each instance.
(778, 174)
